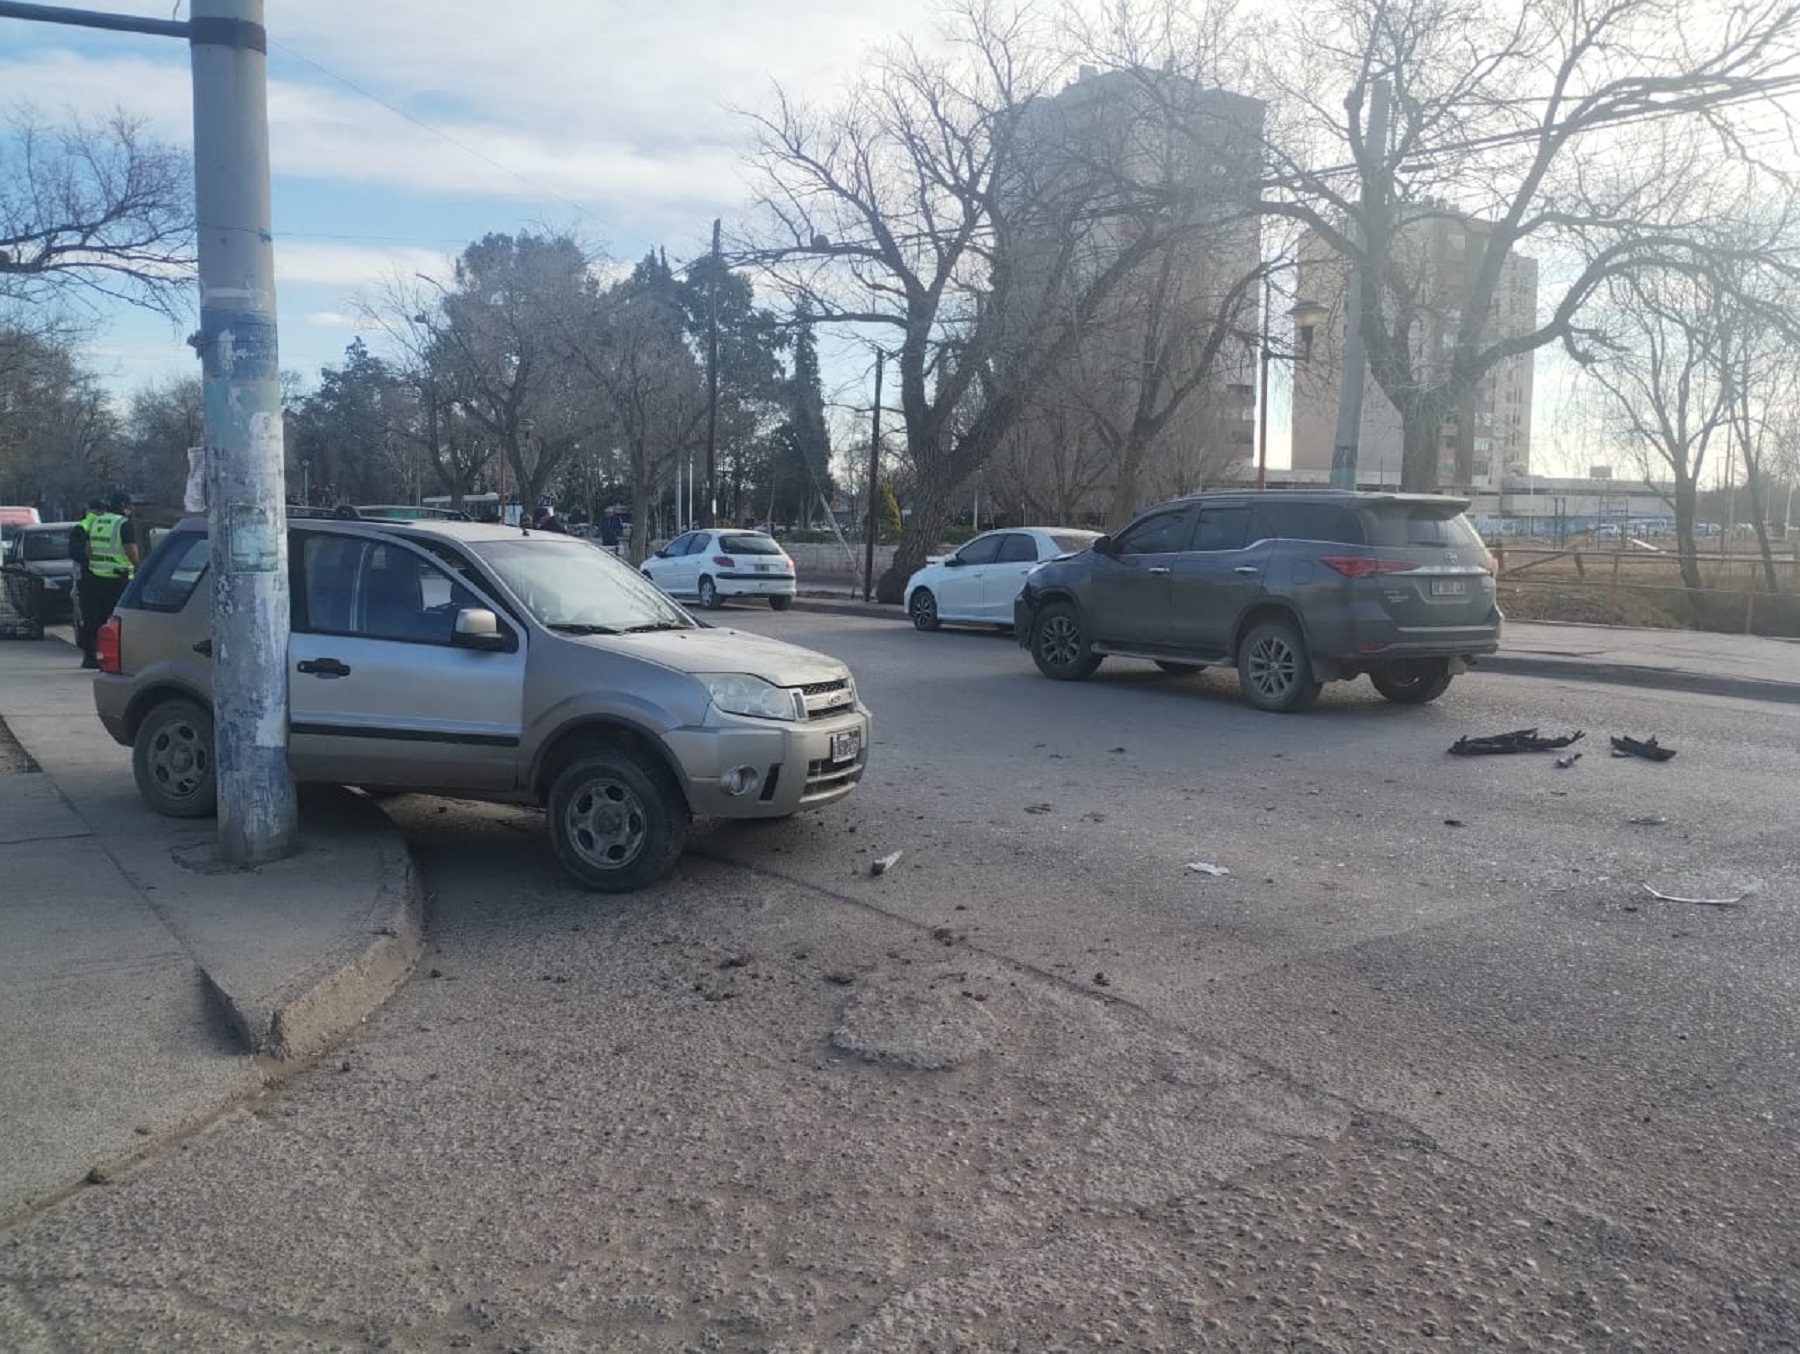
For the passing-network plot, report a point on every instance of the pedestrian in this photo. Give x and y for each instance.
(112, 556)
(612, 527)
(545, 519)
(87, 600)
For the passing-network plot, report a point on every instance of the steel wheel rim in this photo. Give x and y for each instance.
(924, 610)
(1059, 640)
(179, 759)
(709, 594)
(1273, 666)
(605, 823)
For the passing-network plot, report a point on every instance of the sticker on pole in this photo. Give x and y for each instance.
(251, 543)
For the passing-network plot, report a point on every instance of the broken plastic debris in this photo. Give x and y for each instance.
(886, 863)
(1519, 740)
(1206, 867)
(1564, 763)
(1647, 748)
(1649, 820)
(1699, 902)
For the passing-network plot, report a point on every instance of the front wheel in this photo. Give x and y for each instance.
(1412, 681)
(923, 610)
(781, 603)
(172, 760)
(1059, 647)
(615, 822)
(708, 595)
(1273, 668)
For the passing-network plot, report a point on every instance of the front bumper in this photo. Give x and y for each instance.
(797, 766)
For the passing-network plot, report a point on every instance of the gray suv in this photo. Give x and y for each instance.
(1295, 588)
(487, 662)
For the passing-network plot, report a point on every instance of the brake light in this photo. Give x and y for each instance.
(106, 646)
(725, 561)
(1358, 566)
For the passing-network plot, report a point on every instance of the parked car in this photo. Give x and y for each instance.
(43, 549)
(711, 566)
(978, 583)
(474, 660)
(1295, 588)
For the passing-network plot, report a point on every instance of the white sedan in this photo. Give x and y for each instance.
(710, 566)
(977, 583)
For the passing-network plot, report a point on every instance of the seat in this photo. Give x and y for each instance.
(394, 606)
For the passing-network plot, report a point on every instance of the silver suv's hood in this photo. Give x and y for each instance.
(719, 650)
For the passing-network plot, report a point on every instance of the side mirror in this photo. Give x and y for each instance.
(1103, 546)
(478, 628)
(661, 554)
(953, 561)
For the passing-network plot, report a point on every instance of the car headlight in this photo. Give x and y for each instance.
(738, 693)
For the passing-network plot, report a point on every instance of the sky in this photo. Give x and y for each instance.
(401, 130)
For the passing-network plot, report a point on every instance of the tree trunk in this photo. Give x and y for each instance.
(1686, 498)
(1421, 429)
(917, 537)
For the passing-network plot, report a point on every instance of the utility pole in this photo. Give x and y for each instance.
(874, 484)
(1350, 387)
(1262, 423)
(712, 385)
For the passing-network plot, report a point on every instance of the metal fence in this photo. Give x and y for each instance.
(21, 604)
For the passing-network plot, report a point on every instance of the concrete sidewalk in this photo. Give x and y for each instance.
(144, 984)
(1747, 667)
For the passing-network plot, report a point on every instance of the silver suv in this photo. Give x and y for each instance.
(1294, 587)
(486, 662)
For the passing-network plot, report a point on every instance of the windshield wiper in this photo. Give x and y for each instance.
(570, 628)
(653, 625)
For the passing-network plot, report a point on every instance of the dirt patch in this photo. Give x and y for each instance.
(12, 756)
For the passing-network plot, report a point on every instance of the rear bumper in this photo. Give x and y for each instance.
(755, 585)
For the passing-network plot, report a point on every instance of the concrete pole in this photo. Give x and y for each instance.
(1350, 388)
(874, 483)
(240, 376)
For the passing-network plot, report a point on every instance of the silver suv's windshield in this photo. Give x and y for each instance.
(570, 586)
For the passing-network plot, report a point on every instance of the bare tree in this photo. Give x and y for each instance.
(94, 213)
(1561, 126)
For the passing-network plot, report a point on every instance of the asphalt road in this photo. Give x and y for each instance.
(1426, 1069)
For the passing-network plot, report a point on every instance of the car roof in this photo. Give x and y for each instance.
(1346, 497)
(401, 526)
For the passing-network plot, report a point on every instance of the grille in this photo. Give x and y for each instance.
(826, 699)
(823, 777)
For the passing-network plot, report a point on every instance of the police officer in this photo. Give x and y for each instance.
(112, 555)
(85, 598)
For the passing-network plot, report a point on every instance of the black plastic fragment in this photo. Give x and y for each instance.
(1648, 748)
(1519, 740)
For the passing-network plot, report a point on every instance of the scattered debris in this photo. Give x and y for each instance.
(886, 863)
(1564, 763)
(1647, 748)
(1040, 808)
(1699, 902)
(1650, 820)
(1453, 822)
(1519, 740)
(1101, 980)
(1208, 868)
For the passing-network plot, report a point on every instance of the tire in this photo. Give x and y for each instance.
(1413, 681)
(1178, 669)
(1274, 670)
(173, 761)
(780, 603)
(708, 595)
(923, 610)
(1059, 646)
(616, 824)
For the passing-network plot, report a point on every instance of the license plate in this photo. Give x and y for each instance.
(1449, 587)
(845, 746)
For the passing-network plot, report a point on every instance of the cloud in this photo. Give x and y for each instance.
(307, 263)
(332, 319)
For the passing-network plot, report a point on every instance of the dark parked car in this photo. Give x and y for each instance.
(43, 549)
(1295, 588)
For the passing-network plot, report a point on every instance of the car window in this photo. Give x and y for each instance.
(1420, 524)
(1306, 522)
(747, 543)
(1223, 529)
(679, 546)
(1161, 533)
(1017, 548)
(400, 596)
(981, 550)
(172, 572)
(47, 545)
(1072, 542)
(568, 584)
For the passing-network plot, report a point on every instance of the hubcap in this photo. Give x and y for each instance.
(1059, 640)
(1272, 666)
(179, 759)
(924, 610)
(606, 824)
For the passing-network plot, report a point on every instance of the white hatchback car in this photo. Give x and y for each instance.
(710, 566)
(977, 584)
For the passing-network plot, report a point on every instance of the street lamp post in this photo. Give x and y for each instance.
(1306, 316)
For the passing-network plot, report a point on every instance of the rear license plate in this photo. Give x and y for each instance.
(1449, 587)
(845, 746)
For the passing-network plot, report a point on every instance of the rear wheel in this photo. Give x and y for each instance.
(172, 760)
(1274, 670)
(708, 595)
(781, 603)
(923, 610)
(1412, 681)
(616, 824)
(1059, 646)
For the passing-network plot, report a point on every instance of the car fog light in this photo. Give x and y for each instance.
(740, 780)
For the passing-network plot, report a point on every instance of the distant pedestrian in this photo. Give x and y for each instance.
(111, 545)
(86, 598)
(612, 529)
(545, 519)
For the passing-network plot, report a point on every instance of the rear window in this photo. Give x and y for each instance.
(1419, 524)
(43, 545)
(170, 575)
(1306, 522)
(749, 545)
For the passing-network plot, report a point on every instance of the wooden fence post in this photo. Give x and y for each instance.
(1612, 592)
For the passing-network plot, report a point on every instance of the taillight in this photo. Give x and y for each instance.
(1357, 566)
(106, 646)
(725, 561)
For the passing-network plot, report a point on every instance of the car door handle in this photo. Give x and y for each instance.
(1158, 569)
(324, 667)
(204, 648)
(1246, 569)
